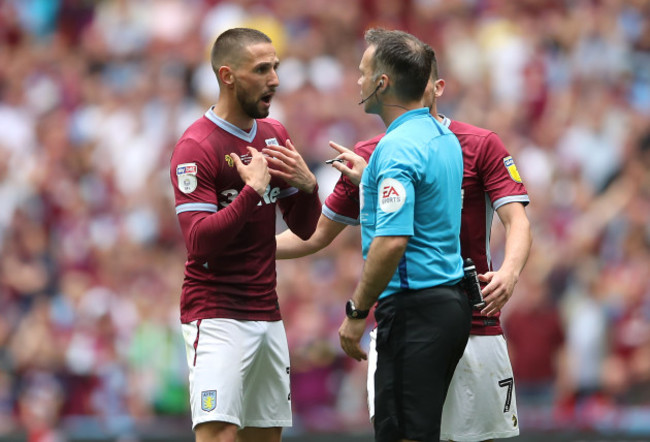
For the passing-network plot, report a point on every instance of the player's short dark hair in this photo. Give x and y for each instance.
(404, 58)
(231, 43)
(434, 63)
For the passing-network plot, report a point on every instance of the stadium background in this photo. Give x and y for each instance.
(94, 94)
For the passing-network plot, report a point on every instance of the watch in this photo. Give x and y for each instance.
(352, 312)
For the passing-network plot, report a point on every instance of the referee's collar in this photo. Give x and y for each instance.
(413, 113)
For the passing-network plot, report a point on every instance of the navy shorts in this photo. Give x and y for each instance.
(421, 336)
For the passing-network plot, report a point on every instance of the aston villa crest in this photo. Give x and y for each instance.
(208, 400)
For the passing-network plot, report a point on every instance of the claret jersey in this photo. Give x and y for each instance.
(342, 205)
(490, 180)
(229, 229)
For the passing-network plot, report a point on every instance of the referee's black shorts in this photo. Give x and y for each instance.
(421, 335)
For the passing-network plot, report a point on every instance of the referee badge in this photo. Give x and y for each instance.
(208, 400)
(512, 169)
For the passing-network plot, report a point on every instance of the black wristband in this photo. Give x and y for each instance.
(352, 312)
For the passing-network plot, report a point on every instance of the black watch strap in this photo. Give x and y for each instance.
(352, 312)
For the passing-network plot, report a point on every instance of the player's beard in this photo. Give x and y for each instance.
(251, 105)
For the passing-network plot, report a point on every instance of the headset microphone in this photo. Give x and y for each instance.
(381, 83)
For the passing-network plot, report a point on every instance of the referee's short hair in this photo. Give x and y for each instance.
(404, 58)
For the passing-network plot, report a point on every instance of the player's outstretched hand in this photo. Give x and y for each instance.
(497, 292)
(256, 172)
(350, 334)
(356, 164)
(286, 163)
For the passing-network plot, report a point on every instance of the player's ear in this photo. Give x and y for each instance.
(439, 87)
(226, 75)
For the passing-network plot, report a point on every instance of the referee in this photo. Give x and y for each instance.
(410, 226)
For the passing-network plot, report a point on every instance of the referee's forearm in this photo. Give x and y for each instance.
(383, 257)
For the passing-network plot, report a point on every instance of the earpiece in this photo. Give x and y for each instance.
(381, 83)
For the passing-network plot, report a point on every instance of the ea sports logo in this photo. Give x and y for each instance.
(392, 195)
(389, 191)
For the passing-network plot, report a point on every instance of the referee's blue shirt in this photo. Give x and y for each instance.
(412, 187)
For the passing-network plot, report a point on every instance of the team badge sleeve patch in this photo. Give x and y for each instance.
(208, 400)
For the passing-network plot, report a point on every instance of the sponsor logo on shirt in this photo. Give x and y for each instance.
(270, 196)
(392, 195)
(186, 168)
(512, 169)
(271, 142)
(186, 175)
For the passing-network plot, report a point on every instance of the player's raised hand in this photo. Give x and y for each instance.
(256, 172)
(288, 164)
(356, 163)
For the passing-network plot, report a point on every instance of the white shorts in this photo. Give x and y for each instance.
(239, 372)
(372, 367)
(481, 402)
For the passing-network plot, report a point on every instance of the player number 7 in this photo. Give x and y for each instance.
(509, 382)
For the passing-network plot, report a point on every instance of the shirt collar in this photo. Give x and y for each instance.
(407, 116)
(445, 121)
(231, 128)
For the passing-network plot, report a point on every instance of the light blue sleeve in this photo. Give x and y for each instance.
(396, 179)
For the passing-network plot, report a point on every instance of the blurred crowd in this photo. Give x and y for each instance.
(95, 93)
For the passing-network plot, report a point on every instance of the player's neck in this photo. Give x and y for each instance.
(391, 111)
(233, 115)
(434, 113)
